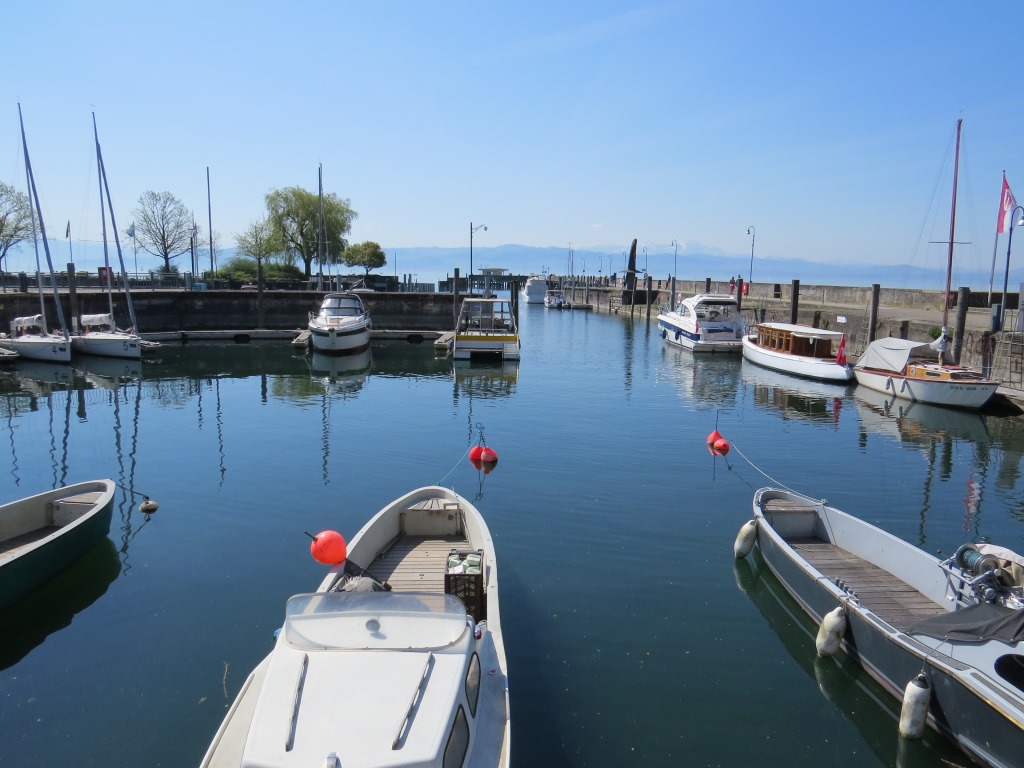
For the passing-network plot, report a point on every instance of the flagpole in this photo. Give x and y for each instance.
(71, 256)
(995, 241)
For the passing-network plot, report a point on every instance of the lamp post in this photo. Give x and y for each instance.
(472, 229)
(753, 234)
(645, 261)
(1006, 275)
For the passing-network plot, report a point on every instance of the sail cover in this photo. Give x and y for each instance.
(98, 320)
(891, 354)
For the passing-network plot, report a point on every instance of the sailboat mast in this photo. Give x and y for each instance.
(321, 235)
(952, 228)
(103, 214)
(42, 228)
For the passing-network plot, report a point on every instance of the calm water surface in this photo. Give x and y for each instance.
(633, 637)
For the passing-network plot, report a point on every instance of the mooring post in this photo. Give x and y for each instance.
(794, 302)
(876, 290)
(960, 323)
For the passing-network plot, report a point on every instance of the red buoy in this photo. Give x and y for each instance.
(488, 455)
(488, 466)
(716, 435)
(329, 548)
(721, 446)
(475, 451)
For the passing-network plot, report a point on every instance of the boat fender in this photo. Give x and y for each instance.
(745, 539)
(914, 713)
(830, 633)
(677, 335)
(664, 333)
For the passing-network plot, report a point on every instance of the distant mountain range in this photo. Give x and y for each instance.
(431, 264)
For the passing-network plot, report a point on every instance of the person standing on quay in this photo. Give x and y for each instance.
(732, 285)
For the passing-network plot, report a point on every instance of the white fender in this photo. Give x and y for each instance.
(830, 633)
(745, 539)
(914, 713)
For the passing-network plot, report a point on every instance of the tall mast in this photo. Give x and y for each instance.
(42, 228)
(103, 214)
(113, 226)
(952, 229)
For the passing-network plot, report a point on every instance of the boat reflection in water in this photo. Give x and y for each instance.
(701, 378)
(109, 372)
(485, 379)
(54, 606)
(793, 397)
(910, 421)
(341, 374)
(839, 678)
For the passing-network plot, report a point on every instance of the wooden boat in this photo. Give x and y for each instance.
(42, 535)
(409, 625)
(944, 637)
(341, 326)
(486, 328)
(887, 365)
(799, 350)
(911, 370)
(707, 322)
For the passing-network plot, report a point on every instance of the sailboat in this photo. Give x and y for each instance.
(30, 337)
(100, 334)
(909, 369)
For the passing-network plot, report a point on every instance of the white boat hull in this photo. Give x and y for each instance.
(713, 341)
(108, 344)
(797, 365)
(533, 291)
(53, 349)
(341, 339)
(952, 394)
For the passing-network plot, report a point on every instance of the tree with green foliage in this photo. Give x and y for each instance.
(15, 219)
(368, 255)
(295, 212)
(163, 226)
(260, 241)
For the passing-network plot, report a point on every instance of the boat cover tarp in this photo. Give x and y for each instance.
(98, 320)
(975, 624)
(891, 354)
(31, 321)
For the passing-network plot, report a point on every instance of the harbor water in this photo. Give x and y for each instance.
(632, 635)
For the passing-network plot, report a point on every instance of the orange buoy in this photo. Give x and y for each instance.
(721, 446)
(329, 548)
(475, 451)
(488, 455)
(716, 435)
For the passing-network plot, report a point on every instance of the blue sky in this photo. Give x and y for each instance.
(826, 126)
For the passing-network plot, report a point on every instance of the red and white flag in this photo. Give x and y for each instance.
(1007, 203)
(841, 355)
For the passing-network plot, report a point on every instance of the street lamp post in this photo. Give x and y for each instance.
(472, 229)
(1006, 275)
(753, 233)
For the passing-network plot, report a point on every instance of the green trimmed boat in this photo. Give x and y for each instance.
(42, 535)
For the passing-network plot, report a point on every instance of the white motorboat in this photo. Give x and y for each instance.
(556, 300)
(101, 336)
(409, 621)
(800, 350)
(486, 328)
(342, 326)
(706, 322)
(945, 637)
(533, 289)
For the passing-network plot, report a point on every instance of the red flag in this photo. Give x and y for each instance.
(1007, 203)
(841, 356)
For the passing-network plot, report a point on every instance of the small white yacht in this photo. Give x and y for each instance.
(486, 328)
(707, 322)
(100, 336)
(534, 289)
(342, 326)
(556, 300)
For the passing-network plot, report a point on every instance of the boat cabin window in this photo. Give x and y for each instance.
(473, 683)
(458, 741)
(1011, 668)
(341, 308)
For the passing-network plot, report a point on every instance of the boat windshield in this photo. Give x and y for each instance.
(341, 307)
(373, 620)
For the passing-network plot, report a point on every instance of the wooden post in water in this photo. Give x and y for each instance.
(647, 280)
(455, 300)
(73, 297)
(962, 303)
(707, 285)
(739, 295)
(876, 289)
(794, 302)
